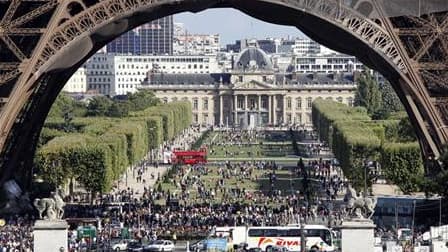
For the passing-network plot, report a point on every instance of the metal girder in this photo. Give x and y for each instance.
(13, 47)
(9, 75)
(432, 66)
(26, 31)
(32, 14)
(9, 66)
(10, 12)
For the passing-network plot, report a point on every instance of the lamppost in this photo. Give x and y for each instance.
(302, 235)
(366, 167)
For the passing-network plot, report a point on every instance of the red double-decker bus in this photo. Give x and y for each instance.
(190, 157)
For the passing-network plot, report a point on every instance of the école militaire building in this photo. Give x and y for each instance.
(253, 93)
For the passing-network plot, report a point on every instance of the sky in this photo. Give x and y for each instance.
(232, 25)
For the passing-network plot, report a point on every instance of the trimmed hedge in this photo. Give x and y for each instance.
(76, 156)
(326, 112)
(104, 147)
(354, 142)
(402, 164)
(355, 138)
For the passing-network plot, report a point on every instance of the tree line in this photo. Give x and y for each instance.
(90, 145)
(356, 139)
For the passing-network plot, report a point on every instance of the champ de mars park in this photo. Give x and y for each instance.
(250, 125)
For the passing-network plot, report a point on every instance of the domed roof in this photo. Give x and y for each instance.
(251, 59)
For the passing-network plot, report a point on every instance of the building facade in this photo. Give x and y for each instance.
(77, 83)
(253, 94)
(111, 74)
(155, 37)
(326, 63)
(196, 44)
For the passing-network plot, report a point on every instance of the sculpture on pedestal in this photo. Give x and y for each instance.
(359, 207)
(53, 207)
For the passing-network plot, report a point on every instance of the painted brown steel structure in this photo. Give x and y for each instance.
(42, 42)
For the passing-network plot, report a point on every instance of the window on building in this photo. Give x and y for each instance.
(205, 104)
(195, 103)
(298, 118)
(264, 103)
(339, 99)
(288, 103)
(240, 103)
(299, 103)
(205, 118)
(288, 118)
(240, 78)
(309, 102)
(195, 118)
(350, 101)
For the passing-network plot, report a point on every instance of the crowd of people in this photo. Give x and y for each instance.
(16, 234)
(190, 206)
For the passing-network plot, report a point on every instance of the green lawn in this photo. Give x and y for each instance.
(259, 183)
(260, 148)
(267, 148)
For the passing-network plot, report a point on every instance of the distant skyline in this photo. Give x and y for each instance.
(232, 25)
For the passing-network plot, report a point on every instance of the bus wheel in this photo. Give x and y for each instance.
(314, 249)
(268, 248)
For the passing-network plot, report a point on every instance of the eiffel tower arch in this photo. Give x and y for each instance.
(43, 42)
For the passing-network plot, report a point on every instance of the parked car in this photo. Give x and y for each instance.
(121, 245)
(160, 245)
(197, 246)
(255, 250)
(135, 246)
(276, 249)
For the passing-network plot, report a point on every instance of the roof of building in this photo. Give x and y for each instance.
(224, 78)
(187, 79)
(253, 59)
(315, 78)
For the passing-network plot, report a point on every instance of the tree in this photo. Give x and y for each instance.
(99, 106)
(368, 94)
(389, 98)
(64, 104)
(118, 109)
(142, 100)
(390, 103)
(406, 132)
(68, 118)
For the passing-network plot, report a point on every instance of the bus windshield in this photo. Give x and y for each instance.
(324, 234)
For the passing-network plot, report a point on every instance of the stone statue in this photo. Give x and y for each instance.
(54, 207)
(359, 207)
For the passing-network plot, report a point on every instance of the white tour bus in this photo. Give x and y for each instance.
(317, 236)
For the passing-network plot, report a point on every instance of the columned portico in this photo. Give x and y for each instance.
(260, 119)
(270, 108)
(284, 109)
(221, 109)
(274, 105)
(235, 109)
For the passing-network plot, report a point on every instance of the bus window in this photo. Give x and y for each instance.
(271, 233)
(325, 235)
(293, 233)
(255, 233)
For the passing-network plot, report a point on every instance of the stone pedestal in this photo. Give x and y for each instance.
(50, 235)
(357, 235)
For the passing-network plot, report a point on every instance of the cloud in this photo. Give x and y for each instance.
(232, 24)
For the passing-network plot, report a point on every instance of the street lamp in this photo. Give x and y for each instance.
(366, 168)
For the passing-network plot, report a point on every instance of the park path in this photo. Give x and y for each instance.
(129, 179)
